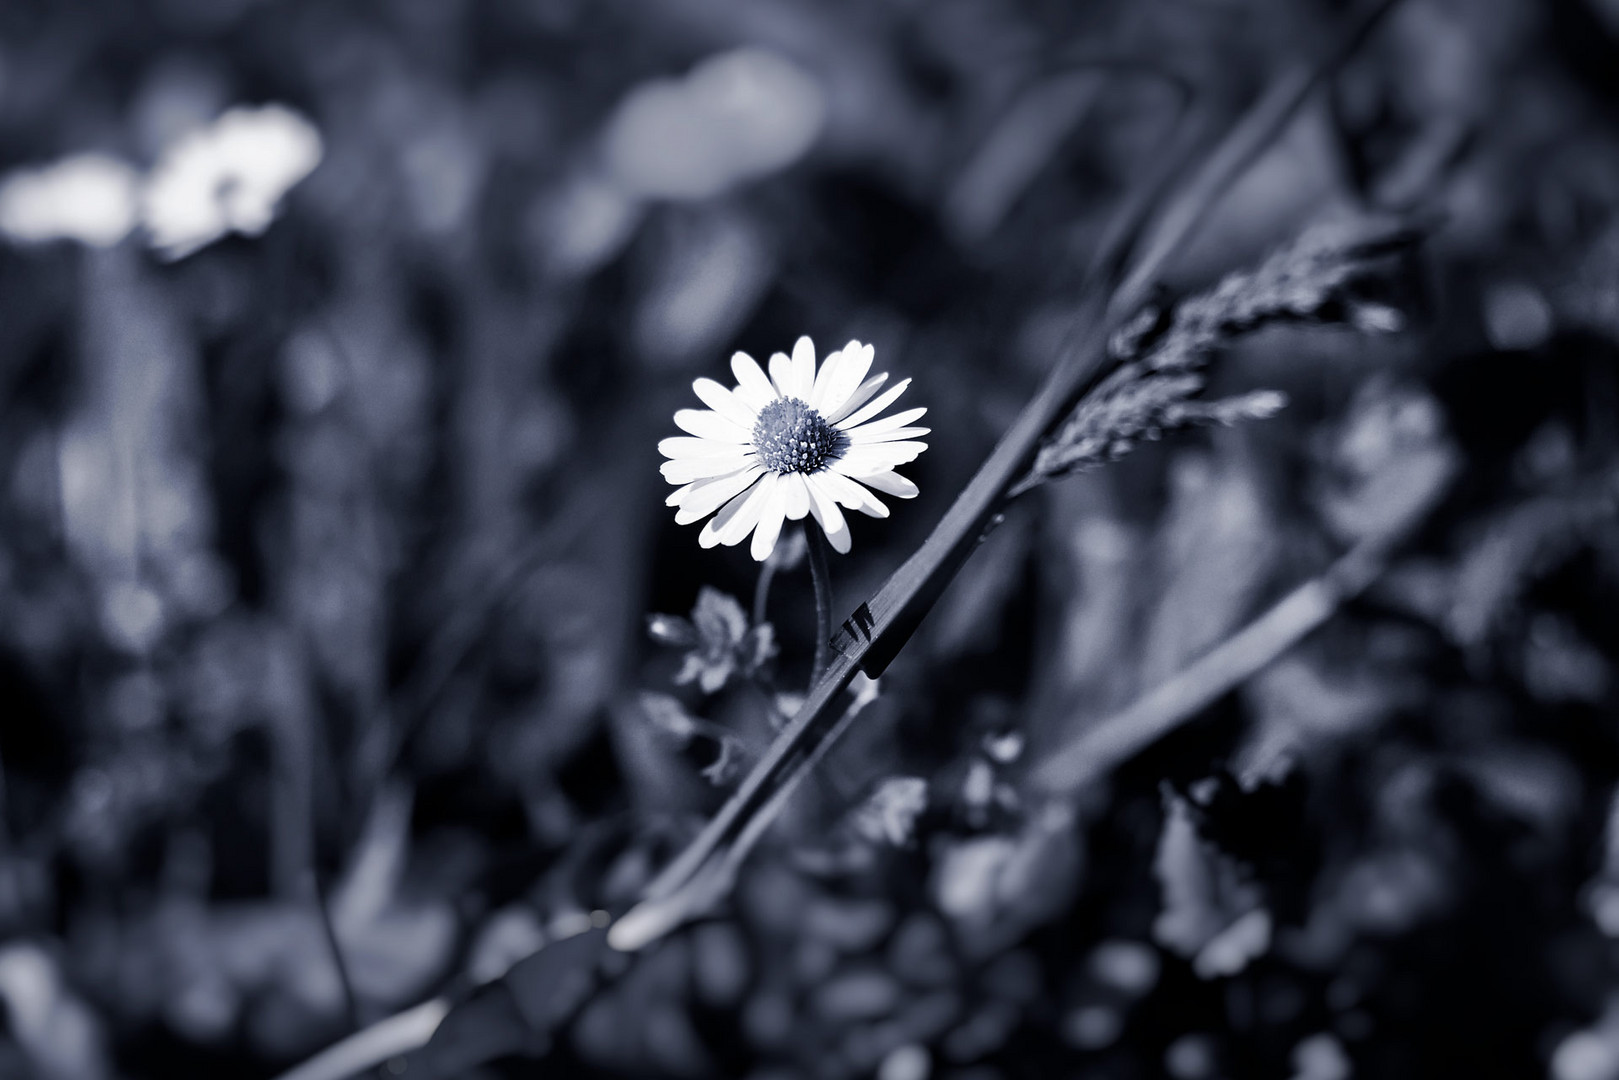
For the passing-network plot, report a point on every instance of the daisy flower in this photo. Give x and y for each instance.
(89, 198)
(228, 177)
(797, 443)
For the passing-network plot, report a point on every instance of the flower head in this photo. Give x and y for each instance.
(88, 197)
(227, 177)
(796, 443)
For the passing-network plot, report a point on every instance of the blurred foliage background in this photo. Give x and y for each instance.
(336, 341)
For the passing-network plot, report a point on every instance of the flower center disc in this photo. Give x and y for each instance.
(792, 437)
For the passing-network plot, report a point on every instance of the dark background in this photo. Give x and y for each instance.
(325, 552)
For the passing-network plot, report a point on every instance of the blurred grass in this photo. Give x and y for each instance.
(367, 505)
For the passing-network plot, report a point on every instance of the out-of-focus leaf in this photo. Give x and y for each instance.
(1321, 1057)
(394, 946)
(889, 814)
(726, 764)
(1390, 458)
(510, 935)
(60, 1035)
(721, 964)
(667, 715)
(1301, 707)
(1130, 967)
(1212, 915)
(1600, 897)
(996, 887)
(520, 1012)
(1512, 550)
(551, 985)
(1560, 665)
(969, 617)
(1217, 546)
(737, 116)
(709, 273)
(1591, 1053)
(1528, 782)
(670, 717)
(486, 1027)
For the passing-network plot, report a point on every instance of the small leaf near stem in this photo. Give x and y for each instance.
(821, 575)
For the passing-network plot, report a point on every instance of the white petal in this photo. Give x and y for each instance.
(682, 446)
(678, 495)
(860, 436)
(685, 470)
(781, 374)
(725, 403)
(825, 509)
(873, 458)
(861, 395)
(852, 495)
(753, 385)
(706, 496)
(891, 483)
(829, 368)
(803, 368)
(906, 448)
(711, 425)
(889, 423)
(769, 528)
(832, 389)
(797, 499)
(866, 412)
(733, 529)
(710, 536)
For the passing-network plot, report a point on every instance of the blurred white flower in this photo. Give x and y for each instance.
(737, 116)
(794, 444)
(88, 197)
(227, 177)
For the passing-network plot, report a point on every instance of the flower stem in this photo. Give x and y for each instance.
(822, 577)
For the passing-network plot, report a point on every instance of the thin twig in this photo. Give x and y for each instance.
(351, 1000)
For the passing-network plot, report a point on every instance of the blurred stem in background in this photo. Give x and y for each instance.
(351, 1001)
(761, 592)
